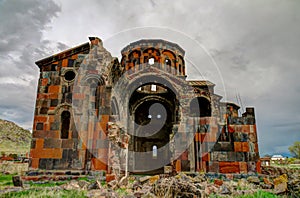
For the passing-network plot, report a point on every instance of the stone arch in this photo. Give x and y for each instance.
(151, 53)
(181, 65)
(200, 107)
(133, 60)
(114, 106)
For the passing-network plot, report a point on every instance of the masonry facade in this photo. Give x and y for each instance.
(140, 114)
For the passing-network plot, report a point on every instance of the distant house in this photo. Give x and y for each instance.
(277, 157)
(265, 161)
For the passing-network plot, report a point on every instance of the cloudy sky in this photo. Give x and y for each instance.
(247, 47)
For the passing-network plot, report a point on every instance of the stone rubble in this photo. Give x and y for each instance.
(281, 182)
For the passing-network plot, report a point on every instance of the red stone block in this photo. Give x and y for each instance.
(231, 128)
(52, 108)
(178, 165)
(98, 165)
(256, 148)
(258, 166)
(75, 56)
(243, 167)
(246, 129)
(238, 128)
(206, 157)
(46, 127)
(110, 177)
(39, 143)
(245, 147)
(53, 95)
(55, 153)
(229, 167)
(64, 63)
(238, 147)
(40, 118)
(44, 81)
(42, 96)
(218, 182)
(54, 89)
(35, 163)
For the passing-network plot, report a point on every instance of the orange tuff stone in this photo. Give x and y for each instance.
(35, 162)
(54, 89)
(245, 146)
(243, 167)
(238, 147)
(40, 118)
(44, 81)
(178, 165)
(98, 164)
(229, 167)
(64, 63)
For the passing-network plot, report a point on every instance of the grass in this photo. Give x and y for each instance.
(46, 194)
(47, 184)
(260, 194)
(5, 180)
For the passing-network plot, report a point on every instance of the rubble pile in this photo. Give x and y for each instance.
(275, 180)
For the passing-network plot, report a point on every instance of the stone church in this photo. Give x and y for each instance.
(139, 114)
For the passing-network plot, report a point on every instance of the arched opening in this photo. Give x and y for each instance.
(65, 124)
(168, 65)
(154, 151)
(154, 115)
(200, 107)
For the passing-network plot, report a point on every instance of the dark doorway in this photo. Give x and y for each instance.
(154, 112)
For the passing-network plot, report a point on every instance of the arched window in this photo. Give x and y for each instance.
(154, 151)
(65, 124)
(151, 61)
(200, 107)
(180, 69)
(168, 65)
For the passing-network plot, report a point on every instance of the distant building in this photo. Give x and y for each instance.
(278, 158)
(265, 161)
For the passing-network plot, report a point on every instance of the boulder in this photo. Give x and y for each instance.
(253, 180)
(280, 184)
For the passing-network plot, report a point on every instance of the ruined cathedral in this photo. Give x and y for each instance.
(138, 114)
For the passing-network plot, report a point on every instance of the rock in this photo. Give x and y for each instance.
(199, 178)
(218, 182)
(94, 185)
(280, 184)
(224, 190)
(253, 179)
(266, 186)
(144, 179)
(83, 184)
(153, 179)
(72, 185)
(17, 181)
(112, 184)
(267, 181)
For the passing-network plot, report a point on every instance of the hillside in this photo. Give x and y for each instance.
(13, 138)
